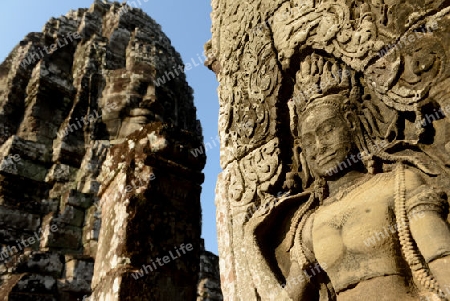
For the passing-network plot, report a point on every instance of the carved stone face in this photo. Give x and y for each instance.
(325, 139)
(132, 99)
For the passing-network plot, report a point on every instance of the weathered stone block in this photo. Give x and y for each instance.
(42, 263)
(36, 284)
(23, 194)
(16, 219)
(71, 216)
(66, 237)
(78, 199)
(61, 173)
(26, 149)
(31, 297)
(78, 274)
(93, 221)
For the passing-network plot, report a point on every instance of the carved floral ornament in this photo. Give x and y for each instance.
(401, 79)
(247, 110)
(404, 77)
(354, 32)
(253, 175)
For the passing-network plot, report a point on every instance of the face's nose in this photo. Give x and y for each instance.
(320, 145)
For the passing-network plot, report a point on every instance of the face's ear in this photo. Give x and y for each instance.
(306, 171)
(351, 120)
(297, 150)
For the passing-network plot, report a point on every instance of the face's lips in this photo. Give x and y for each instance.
(140, 115)
(139, 112)
(325, 159)
(143, 119)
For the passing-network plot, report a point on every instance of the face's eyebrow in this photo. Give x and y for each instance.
(321, 124)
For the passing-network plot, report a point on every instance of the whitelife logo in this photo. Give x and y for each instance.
(161, 262)
(38, 55)
(23, 242)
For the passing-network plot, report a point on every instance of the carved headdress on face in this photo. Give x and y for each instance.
(319, 77)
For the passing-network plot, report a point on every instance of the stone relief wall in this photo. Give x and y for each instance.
(334, 128)
(90, 150)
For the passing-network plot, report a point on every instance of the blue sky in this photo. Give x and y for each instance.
(187, 24)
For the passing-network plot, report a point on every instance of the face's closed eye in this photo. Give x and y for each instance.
(327, 130)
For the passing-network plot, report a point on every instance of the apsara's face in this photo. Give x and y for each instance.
(325, 139)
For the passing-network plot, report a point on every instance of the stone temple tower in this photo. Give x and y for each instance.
(99, 195)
